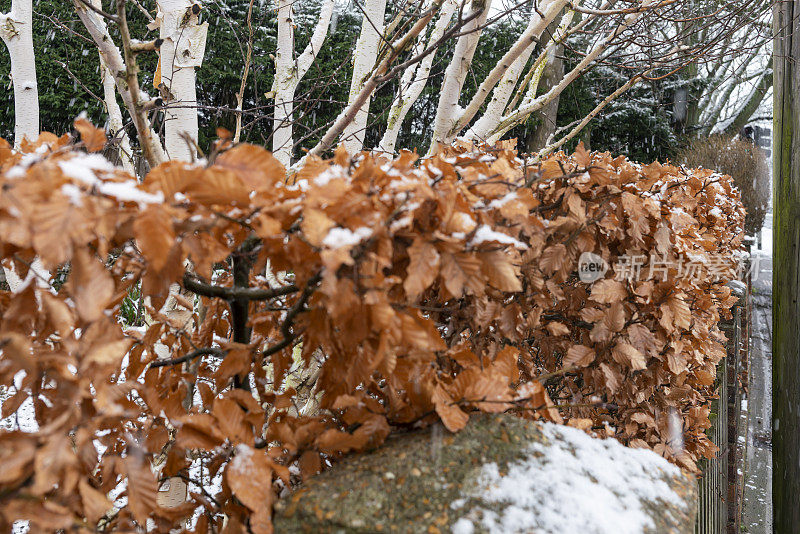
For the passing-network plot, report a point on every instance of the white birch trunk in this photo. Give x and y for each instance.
(523, 112)
(284, 85)
(289, 72)
(112, 57)
(501, 94)
(181, 52)
(115, 124)
(366, 54)
(414, 79)
(16, 30)
(448, 110)
(506, 72)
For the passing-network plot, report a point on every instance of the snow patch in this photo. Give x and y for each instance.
(573, 484)
(242, 459)
(484, 233)
(339, 237)
(331, 173)
(500, 202)
(84, 167)
(129, 192)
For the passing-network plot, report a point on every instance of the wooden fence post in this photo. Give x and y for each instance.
(786, 271)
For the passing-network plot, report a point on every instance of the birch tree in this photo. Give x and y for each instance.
(16, 30)
(415, 78)
(115, 120)
(290, 70)
(183, 41)
(365, 54)
(125, 73)
(399, 49)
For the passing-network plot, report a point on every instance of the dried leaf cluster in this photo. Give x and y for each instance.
(317, 315)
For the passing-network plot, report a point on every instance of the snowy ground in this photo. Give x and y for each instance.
(757, 512)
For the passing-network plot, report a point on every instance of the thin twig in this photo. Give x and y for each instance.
(240, 94)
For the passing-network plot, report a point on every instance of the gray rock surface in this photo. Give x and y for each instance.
(500, 474)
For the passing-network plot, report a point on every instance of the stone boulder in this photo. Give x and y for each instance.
(501, 474)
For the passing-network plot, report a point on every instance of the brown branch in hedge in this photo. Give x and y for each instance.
(199, 287)
(208, 351)
(286, 327)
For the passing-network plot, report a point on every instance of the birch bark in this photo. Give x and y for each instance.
(366, 54)
(115, 123)
(520, 114)
(415, 79)
(448, 110)
(131, 96)
(16, 30)
(502, 79)
(289, 72)
(182, 50)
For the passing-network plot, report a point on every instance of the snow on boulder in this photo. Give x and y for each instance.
(501, 474)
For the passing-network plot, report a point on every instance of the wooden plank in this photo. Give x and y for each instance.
(786, 270)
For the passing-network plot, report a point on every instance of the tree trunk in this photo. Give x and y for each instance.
(285, 85)
(289, 72)
(115, 124)
(448, 110)
(758, 93)
(181, 52)
(546, 117)
(369, 41)
(414, 79)
(786, 259)
(16, 30)
(125, 79)
(502, 79)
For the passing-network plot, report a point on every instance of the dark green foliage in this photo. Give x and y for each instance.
(638, 124)
(131, 311)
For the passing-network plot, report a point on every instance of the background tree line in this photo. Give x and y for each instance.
(645, 122)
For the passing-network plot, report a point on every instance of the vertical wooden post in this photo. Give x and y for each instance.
(786, 271)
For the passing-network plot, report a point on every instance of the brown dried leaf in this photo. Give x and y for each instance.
(626, 354)
(154, 235)
(608, 291)
(257, 168)
(451, 415)
(422, 269)
(579, 355)
(142, 489)
(95, 503)
(501, 272)
(94, 139)
(91, 286)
